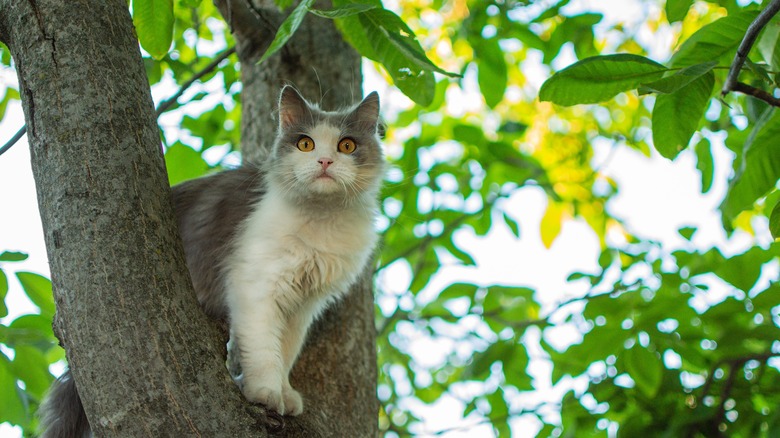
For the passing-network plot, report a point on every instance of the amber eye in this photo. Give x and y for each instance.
(347, 146)
(305, 144)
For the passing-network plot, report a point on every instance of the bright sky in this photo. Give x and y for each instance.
(654, 211)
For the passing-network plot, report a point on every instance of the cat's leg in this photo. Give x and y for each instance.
(257, 324)
(294, 339)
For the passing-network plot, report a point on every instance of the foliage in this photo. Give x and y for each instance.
(658, 338)
(27, 347)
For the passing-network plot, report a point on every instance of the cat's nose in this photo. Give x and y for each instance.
(325, 162)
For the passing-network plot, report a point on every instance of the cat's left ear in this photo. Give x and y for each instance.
(367, 111)
(292, 107)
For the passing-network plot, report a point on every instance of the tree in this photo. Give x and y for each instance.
(676, 338)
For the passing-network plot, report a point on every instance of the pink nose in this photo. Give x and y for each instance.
(325, 162)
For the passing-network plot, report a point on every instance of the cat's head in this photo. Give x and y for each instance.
(326, 156)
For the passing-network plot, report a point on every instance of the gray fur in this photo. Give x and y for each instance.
(62, 415)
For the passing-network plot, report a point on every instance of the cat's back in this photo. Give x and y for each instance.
(209, 210)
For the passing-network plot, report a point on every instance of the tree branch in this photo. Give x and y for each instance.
(167, 103)
(747, 43)
(19, 134)
(757, 93)
(734, 361)
(448, 229)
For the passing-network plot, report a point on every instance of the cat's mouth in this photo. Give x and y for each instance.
(324, 176)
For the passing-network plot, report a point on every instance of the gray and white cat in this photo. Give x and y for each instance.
(270, 247)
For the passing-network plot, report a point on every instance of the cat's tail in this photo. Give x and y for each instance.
(61, 413)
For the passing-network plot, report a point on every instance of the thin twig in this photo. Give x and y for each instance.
(757, 93)
(259, 16)
(490, 420)
(734, 362)
(449, 228)
(19, 134)
(747, 43)
(166, 104)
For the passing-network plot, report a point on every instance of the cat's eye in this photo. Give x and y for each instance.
(347, 146)
(305, 144)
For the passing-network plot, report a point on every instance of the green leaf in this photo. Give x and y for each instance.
(401, 36)
(676, 10)
(599, 78)
(9, 256)
(38, 289)
(382, 36)
(687, 232)
(342, 11)
(32, 330)
(498, 406)
(513, 225)
(645, 369)
(760, 166)
(10, 95)
(705, 164)
(676, 116)
(515, 369)
(458, 253)
(183, 163)
(153, 20)
(715, 40)
(479, 369)
(682, 78)
(13, 409)
(774, 221)
(743, 270)
(3, 292)
(492, 74)
(457, 290)
(769, 45)
(287, 29)
(31, 367)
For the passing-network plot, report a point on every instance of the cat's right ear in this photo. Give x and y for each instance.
(292, 107)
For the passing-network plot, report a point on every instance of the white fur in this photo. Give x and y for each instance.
(287, 266)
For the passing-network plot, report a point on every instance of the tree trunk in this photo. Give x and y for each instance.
(146, 360)
(337, 371)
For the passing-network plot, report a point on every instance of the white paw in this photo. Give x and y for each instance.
(293, 402)
(272, 399)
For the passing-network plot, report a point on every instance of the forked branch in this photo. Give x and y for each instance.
(744, 48)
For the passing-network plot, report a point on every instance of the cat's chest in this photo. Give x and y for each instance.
(278, 228)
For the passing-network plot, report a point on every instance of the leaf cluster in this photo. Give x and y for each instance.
(27, 346)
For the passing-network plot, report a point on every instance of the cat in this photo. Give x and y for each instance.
(269, 247)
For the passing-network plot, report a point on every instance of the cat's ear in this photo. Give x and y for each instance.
(292, 107)
(367, 111)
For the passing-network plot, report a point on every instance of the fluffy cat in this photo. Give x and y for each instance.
(270, 247)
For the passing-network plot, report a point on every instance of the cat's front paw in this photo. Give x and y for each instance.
(293, 402)
(272, 399)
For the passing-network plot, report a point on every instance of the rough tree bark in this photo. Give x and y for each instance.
(146, 360)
